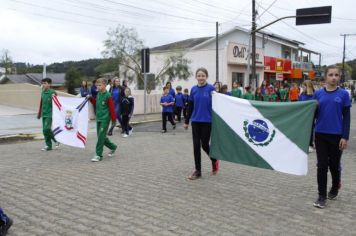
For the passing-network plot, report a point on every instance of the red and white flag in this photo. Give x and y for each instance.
(70, 120)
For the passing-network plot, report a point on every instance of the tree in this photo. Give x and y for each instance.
(107, 65)
(6, 60)
(175, 66)
(72, 79)
(124, 45)
(348, 70)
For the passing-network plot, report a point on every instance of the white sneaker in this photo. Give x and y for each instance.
(130, 131)
(46, 148)
(96, 159)
(311, 149)
(125, 136)
(112, 152)
(56, 145)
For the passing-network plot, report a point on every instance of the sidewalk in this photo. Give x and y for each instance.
(11, 111)
(19, 123)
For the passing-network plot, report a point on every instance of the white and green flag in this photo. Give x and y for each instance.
(262, 134)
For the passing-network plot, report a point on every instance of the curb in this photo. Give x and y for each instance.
(37, 136)
(17, 137)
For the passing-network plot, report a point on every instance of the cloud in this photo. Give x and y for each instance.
(29, 39)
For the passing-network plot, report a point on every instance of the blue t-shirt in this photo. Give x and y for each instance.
(84, 91)
(179, 100)
(305, 97)
(168, 98)
(202, 103)
(329, 119)
(93, 91)
(115, 93)
(186, 99)
(172, 93)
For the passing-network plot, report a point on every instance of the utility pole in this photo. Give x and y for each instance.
(343, 57)
(217, 51)
(253, 36)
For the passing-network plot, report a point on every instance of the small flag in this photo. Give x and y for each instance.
(70, 120)
(262, 134)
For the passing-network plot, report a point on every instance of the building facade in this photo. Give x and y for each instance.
(277, 58)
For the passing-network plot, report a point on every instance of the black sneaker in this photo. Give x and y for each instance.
(5, 227)
(174, 126)
(320, 202)
(196, 175)
(163, 131)
(332, 195)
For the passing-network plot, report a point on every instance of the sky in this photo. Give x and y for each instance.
(42, 31)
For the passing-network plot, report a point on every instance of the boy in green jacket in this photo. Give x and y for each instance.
(45, 111)
(248, 95)
(105, 110)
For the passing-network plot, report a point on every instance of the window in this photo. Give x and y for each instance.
(286, 54)
(238, 77)
(256, 82)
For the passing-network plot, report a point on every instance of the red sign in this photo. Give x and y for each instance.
(279, 65)
(279, 76)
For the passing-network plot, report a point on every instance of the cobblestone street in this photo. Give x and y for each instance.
(144, 190)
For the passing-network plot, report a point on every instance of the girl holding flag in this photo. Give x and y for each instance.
(332, 131)
(200, 112)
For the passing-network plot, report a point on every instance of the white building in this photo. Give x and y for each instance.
(233, 57)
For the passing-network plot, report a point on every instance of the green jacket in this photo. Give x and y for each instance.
(236, 93)
(270, 98)
(283, 94)
(102, 106)
(249, 96)
(46, 103)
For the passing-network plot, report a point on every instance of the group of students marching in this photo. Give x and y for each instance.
(281, 92)
(331, 132)
(111, 102)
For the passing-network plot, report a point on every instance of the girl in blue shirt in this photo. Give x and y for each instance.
(332, 130)
(116, 91)
(171, 90)
(307, 94)
(167, 103)
(84, 90)
(200, 112)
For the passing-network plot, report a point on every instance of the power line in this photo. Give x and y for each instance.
(114, 10)
(91, 24)
(306, 35)
(96, 18)
(158, 12)
(214, 6)
(97, 7)
(259, 16)
(186, 10)
(240, 13)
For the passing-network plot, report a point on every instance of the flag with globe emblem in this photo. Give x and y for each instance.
(262, 134)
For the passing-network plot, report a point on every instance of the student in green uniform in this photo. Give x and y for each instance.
(248, 94)
(105, 110)
(283, 93)
(236, 92)
(258, 94)
(271, 96)
(45, 111)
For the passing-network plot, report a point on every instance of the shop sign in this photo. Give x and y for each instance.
(279, 76)
(238, 54)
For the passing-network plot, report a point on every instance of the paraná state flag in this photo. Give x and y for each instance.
(70, 120)
(267, 135)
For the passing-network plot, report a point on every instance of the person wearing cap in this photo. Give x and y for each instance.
(248, 94)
